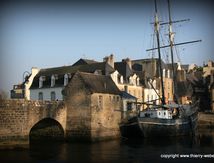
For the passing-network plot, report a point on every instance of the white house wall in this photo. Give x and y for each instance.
(34, 71)
(151, 94)
(34, 93)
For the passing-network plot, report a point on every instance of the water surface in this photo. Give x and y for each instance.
(124, 150)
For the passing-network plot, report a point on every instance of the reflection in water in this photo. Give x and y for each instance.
(123, 150)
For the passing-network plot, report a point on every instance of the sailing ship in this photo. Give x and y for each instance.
(164, 119)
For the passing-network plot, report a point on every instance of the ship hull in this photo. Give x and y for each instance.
(154, 127)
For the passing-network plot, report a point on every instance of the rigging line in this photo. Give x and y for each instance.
(154, 88)
(165, 51)
(175, 47)
(177, 54)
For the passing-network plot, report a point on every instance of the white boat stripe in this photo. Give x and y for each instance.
(159, 123)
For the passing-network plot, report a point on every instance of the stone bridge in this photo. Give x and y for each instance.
(21, 120)
(75, 119)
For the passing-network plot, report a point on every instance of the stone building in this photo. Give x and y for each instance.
(207, 69)
(148, 70)
(212, 96)
(126, 80)
(93, 107)
(129, 105)
(49, 83)
(18, 92)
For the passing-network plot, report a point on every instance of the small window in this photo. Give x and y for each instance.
(164, 73)
(40, 82)
(52, 80)
(118, 98)
(53, 96)
(129, 106)
(121, 79)
(164, 113)
(40, 96)
(168, 73)
(65, 79)
(138, 81)
(147, 97)
(159, 113)
(109, 98)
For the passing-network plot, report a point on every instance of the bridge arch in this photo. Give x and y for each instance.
(47, 129)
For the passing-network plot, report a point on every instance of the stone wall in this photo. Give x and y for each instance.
(17, 117)
(105, 117)
(205, 120)
(77, 101)
(86, 120)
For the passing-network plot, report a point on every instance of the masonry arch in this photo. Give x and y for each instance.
(46, 129)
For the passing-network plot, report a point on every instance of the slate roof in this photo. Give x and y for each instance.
(123, 69)
(61, 71)
(84, 62)
(126, 95)
(98, 83)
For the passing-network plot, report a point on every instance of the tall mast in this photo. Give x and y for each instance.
(171, 41)
(156, 24)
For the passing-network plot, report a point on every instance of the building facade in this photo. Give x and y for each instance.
(93, 107)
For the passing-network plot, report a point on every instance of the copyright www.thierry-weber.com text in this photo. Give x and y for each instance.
(198, 156)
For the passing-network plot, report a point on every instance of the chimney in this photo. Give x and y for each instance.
(179, 66)
(34, 71)
(109, 60)
(128, 62)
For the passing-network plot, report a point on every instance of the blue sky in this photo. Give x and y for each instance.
(55, 34)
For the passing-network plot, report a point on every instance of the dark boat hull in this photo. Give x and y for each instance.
(154, 127)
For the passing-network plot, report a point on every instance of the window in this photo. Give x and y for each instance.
(118, 98)
(168, 73)
(41, 82)
(129, 106)
(121, 79)
(100, 101)
(52, 80)
(138, 81)
(130, 80)
(154, 83)
(53, 96)
(40, 96)
(109, 98)
(147, 97)
(164, 73)
(65, 79)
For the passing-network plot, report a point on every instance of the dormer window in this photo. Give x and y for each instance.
(164, 73)
(138, 81)
(65, 79)
(41, 79)
(53, 80)
(154, 84)
(121, 79)
(130, 80)
(168, 73)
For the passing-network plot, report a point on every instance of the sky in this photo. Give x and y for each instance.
(47, 34)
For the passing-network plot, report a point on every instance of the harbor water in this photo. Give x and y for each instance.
(199, 148)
